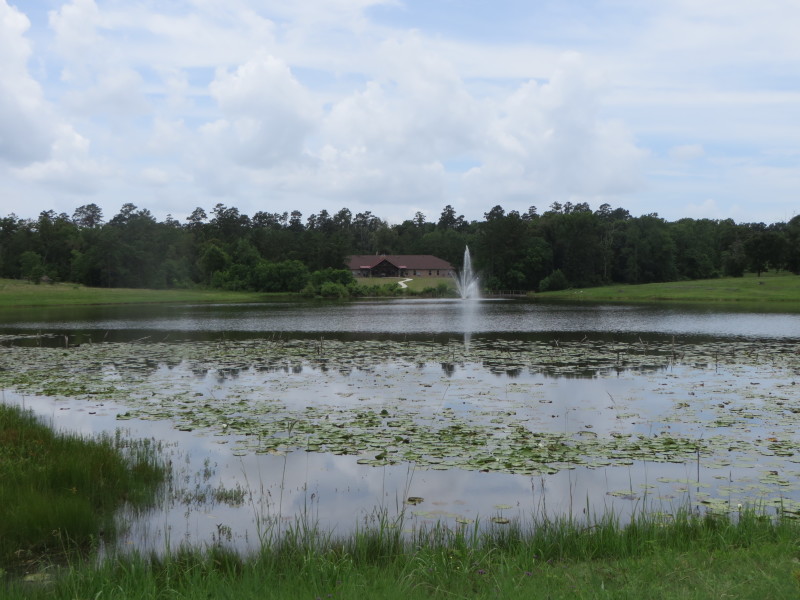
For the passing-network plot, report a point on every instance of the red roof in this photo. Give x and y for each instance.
(401, 261)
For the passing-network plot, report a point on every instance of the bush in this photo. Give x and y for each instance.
(554, 282)
(329, 289)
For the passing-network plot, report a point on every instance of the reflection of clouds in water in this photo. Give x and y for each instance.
(346, 494)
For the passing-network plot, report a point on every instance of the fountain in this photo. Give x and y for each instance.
(467, 281)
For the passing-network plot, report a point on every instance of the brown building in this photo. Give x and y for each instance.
(399, 265)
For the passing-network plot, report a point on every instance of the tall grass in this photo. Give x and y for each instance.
(687, 556)
(60, 491)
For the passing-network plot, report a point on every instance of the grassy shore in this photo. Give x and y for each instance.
(782, 290)
(59, 492)
(15, 293)
(693, 556)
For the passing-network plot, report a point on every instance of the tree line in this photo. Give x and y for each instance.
(566, 245)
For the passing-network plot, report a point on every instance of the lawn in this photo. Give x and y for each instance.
(414, 284)
(18, 293)
(782, 289)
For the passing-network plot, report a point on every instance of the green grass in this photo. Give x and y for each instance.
(14, 293)
(416, 284)
(58, 491)
(709, 556)
(779, 289)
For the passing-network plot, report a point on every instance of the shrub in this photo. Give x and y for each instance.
(329, 289)
(554, 282)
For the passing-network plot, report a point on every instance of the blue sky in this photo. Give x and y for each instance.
(681, 108)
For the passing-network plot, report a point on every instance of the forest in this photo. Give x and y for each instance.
(565, 246)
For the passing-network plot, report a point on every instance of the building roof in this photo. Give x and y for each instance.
(401, 261)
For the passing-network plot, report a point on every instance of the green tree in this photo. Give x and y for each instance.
(213, 259)
(648, 252)
(88, 215)
(30, 264)
(765, 249)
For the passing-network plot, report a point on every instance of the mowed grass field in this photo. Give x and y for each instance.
(416, 284)
(15, 293)
(782, 289)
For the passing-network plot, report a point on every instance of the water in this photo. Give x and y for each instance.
(565, 376)
(467, 282)
(398, 317)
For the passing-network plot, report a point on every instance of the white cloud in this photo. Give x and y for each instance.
(654, 107)
(402, 127)
(687, 152)
(168, 137)
(116, 92)
(155, 176)
(75, 25)
(548, 140)
(268, 114)
(26, 122)
(708, 209)
(70, 167)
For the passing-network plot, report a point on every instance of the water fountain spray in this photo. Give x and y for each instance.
(466, 280)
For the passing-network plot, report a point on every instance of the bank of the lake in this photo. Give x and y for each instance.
(60, 491)
(692, 556)
(770, 290)
(781, 290)
(16, 293)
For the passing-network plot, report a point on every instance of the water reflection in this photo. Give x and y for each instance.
(337, 494)
(392, 317)
(568, 376)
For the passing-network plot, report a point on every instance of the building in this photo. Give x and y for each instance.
(399, 265)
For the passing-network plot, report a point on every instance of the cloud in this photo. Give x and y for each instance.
(39, 146)
(402, 104)
(75, 25)
(687, 152)
(708, 209)
(70, 168)
(117, 92)
(549, 140)
(267, 113)
(155, 176)
(26, 122)
(397, 131)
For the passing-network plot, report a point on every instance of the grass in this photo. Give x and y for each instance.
(780, 290)
(775, 288)
(417, 284)
(59, 491)
(694, 556)
(21, 294)
(14, 293)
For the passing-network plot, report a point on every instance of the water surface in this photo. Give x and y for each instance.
(331, 411)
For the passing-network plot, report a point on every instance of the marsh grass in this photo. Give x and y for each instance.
(59, 491)
(688, 555)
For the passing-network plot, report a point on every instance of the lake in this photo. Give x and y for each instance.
(335, 413)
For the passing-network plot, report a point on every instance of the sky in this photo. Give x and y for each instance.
(677, 107)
